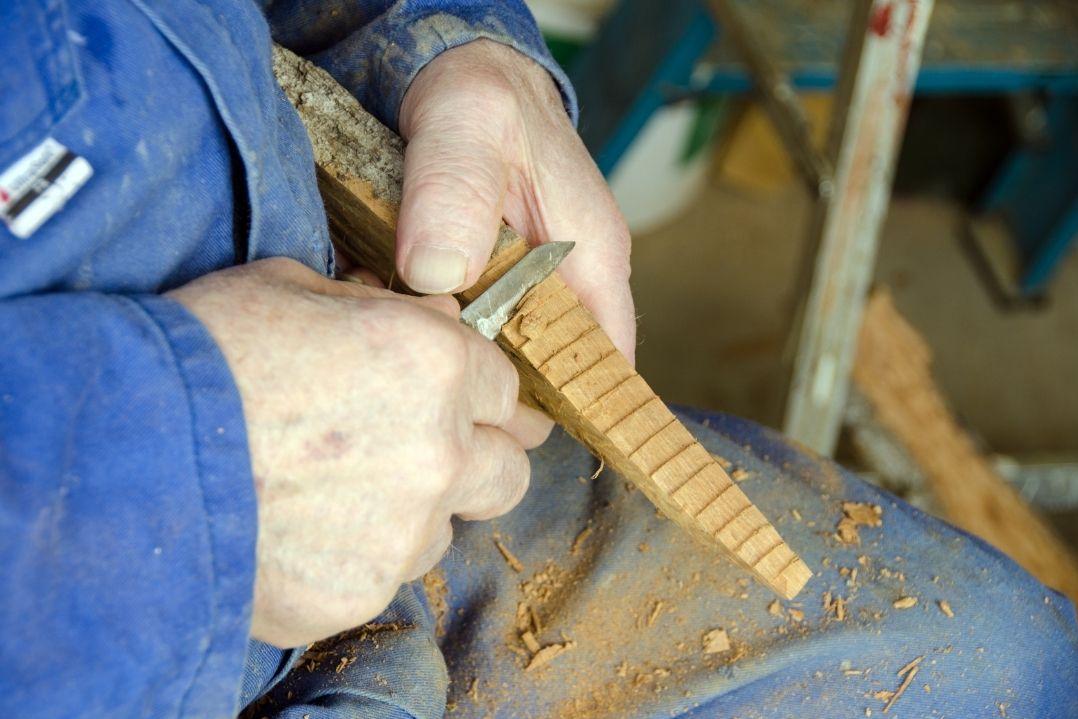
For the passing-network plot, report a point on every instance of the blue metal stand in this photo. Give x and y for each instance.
(645, 54)
(642, 57)
(1036, 196)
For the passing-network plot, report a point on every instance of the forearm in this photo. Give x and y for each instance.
(127, 511)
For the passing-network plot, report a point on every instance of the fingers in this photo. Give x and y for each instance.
(455, 177)
(495, 476)
(360, 275)
(433, 552)
(566, 198)
(528, 426)
(492, 382)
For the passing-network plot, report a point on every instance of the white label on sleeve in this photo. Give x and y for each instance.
(36, 186)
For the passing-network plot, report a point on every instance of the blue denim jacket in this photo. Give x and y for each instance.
(127, 512)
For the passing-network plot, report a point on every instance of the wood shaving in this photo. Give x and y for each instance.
(547, 654)
(867, 514)
(901, 689)
(716, 641)
(602, 466)
(530, 642)
(840, 609)
(473, 689)
(510, 558)
(523, 621)
(904, 602)
(797, 615)
(656, 610)
(532, 325)
(911, 665)
(740, 475)
(945, 607)
(857, 514)
(775, 608)
(579, 541)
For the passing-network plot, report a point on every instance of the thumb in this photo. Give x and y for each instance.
(455, 178)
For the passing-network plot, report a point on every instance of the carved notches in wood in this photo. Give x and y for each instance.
(579, 377)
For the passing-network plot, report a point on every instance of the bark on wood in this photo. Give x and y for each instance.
(893, 371)
(568, 365)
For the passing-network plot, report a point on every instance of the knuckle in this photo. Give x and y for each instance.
(444, 464)
(518, 475)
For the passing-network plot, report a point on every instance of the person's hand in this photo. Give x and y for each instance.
(372, 418)
(489, 139)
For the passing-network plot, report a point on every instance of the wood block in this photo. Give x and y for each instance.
(893, 372)
(568, 365)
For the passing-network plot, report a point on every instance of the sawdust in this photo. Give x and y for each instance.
(904, 603)
(341, 650)
(945, 607)
(854, 515)
(740, 475)
(437, 591)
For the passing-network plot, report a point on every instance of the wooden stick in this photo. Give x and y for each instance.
(893, 371)
(568, 365)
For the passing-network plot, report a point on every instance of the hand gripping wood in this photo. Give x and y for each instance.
(568, 365)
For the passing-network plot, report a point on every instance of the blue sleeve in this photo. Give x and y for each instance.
(127, 511)
(375, 48)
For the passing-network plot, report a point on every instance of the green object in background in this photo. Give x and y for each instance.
(564, 50)
(711, 112)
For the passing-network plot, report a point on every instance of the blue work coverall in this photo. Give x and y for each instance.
(127, 511)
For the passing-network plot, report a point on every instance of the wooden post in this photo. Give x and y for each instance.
(568, 366)
(883, 55)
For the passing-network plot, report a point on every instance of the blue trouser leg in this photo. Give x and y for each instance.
(637, 596)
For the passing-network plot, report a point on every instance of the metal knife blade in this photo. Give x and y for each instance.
(492, 309)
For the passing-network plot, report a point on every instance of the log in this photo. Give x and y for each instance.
(893, 372)
(568, 365)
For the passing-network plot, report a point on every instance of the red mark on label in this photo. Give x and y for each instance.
(880, 24)
(4, 196)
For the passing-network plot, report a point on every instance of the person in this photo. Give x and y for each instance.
(213, 453)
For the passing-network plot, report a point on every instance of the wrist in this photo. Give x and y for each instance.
(485, 71)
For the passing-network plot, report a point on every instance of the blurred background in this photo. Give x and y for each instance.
(853, 221)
